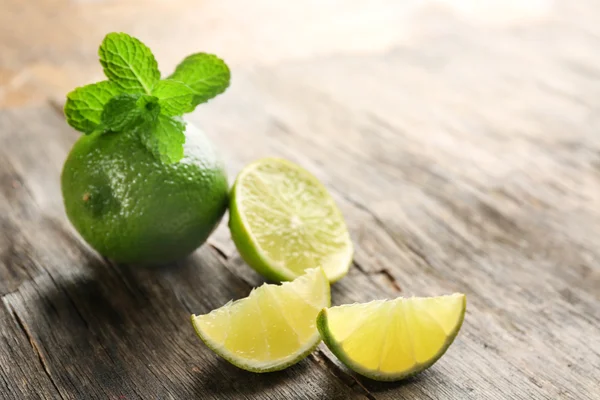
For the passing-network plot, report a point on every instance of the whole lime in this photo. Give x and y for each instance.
(135, 209)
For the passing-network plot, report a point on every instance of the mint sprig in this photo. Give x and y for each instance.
(135, 99)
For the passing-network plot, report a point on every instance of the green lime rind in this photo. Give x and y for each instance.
(336, 348)
(250, 250)
(247, 247)
(254, 367)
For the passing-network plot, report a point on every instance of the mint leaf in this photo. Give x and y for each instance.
(165, 138)
(84, 105)
(175, 98)
(128, 63)
(206, 74)
(120, 112)
(129, 111)
(134, 99)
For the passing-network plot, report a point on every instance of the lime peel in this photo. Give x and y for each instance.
(424, 329)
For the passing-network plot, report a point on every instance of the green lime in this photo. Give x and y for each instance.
(134, 209)
(389, 340)
(271, 329)
(283, 221)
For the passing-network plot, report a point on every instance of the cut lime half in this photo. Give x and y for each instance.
(283, 221)
(389, 340)
(271, 329)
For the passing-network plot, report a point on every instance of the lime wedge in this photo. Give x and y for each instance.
(283, 221)
(388, 340)
(271, 329)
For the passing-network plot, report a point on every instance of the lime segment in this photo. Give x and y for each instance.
(283, 221)
(271, 329)
(390, 340)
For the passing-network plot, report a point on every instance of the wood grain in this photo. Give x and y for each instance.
(460, 139)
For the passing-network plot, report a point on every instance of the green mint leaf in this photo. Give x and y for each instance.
(84, 105)
(206, 74)
(129, 111)
(128, 63)
(175, 98)
(165, 138)
(135, 99)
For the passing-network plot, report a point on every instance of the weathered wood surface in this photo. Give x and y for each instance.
(461, 140)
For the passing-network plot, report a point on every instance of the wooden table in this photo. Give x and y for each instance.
(461, 140)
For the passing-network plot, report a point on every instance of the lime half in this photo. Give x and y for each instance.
(389, 340)
(283, 221)
(271, 329)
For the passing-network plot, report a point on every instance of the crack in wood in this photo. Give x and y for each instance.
(34, 345)
(220, 252)
(352, 382)
(360, 267)
(390, 278)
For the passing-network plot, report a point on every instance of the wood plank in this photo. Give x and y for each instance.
(103, 331)
(512, 222)
(459, 138)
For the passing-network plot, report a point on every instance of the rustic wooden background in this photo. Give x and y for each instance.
(461, 139)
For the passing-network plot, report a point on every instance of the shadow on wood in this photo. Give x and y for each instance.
(375, 386)
(245, 382)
